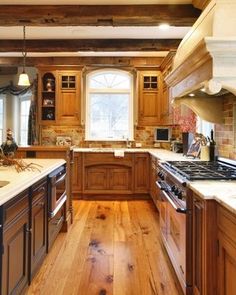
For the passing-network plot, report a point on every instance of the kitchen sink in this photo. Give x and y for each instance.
(4, 183)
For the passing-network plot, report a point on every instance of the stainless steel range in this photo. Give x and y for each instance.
(175, 203)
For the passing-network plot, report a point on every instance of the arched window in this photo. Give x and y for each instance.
(109, 105)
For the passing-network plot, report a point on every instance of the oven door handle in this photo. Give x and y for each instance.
(177, 209)
(61, 178)
(160, 185)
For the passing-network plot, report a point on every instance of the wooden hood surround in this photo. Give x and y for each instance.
(205, 62)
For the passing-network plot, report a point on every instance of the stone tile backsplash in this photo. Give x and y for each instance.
(143, 135)
(226, 132)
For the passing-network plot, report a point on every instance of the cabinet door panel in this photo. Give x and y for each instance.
(150, 87)
(227, 267)
(38, 237)
(96, 178)
(141, 173)
(68, 103)
(77, 173)
(120, 179)
(15, 256)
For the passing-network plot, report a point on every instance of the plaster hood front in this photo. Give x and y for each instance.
(206, 61)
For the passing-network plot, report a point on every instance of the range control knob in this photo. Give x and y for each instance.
(173, 188)
(179, 194)
(161, 175)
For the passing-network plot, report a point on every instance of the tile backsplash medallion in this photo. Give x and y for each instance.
(143, 135)
(226, 132)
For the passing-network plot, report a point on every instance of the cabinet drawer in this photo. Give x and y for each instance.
(39, 190)
(15, 207)
(227, 222)
(107, 158)
(54, 226)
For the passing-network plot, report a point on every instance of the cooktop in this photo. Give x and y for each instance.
(202, 170)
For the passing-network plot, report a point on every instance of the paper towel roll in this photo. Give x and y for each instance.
(205, 153)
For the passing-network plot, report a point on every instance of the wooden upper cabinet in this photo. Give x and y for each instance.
(59, 95)
(69, 92)
(150, 88)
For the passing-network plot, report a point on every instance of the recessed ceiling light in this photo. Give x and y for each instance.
(191, 94)
(164, 27)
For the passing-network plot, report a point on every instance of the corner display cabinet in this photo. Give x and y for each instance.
(59, 95)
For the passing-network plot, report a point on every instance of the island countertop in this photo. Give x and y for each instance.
(18, 182)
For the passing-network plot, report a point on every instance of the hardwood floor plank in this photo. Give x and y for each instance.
(97, 276)
(112, 248)
(161, 272)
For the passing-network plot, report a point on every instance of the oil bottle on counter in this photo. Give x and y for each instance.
(212, 147)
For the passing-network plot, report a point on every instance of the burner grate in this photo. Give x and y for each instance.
(201, 170)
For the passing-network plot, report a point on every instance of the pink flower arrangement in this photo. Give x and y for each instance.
(186, 122)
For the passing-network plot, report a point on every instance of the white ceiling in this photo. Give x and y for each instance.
(84, 32)
(92, 2)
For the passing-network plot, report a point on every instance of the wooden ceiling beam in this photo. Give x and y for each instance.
(97, 15)
(110, 45)
(83, 61)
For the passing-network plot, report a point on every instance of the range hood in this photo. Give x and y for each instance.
(204, 68)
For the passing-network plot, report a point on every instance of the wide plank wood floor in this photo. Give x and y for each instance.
(112, 248)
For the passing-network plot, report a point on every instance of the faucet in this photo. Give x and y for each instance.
(128, 143)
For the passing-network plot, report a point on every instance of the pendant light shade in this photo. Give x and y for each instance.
(24, 78)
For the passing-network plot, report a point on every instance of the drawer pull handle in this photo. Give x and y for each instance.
(29, 230)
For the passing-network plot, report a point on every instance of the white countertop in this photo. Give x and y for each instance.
(224, 192)
(18, 182)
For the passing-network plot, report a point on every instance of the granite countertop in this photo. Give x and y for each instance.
(161, 154)
(224, 192)
(18, 182)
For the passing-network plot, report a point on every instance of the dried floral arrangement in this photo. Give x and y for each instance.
(20, 165)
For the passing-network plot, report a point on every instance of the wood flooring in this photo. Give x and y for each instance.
(112, 248)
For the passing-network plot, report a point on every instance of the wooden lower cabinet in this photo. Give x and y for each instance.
(97, 174)
(141, 168)
(227, 252)
(15, 242)
(108, 179)
(204, 241)
(77, 174)
(38, 225)
(23, 229)
(198, 254)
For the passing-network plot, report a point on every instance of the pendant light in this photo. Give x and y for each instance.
(23, 78)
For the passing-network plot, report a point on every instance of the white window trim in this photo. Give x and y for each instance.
(4, 117)
(22, 98)
(131, 105)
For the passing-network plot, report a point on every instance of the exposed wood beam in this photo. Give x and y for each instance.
(8, 70)
(83, 61)
(97, 15)
(70, 45)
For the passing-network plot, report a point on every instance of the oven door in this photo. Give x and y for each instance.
(58, 196)
(173, 232)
